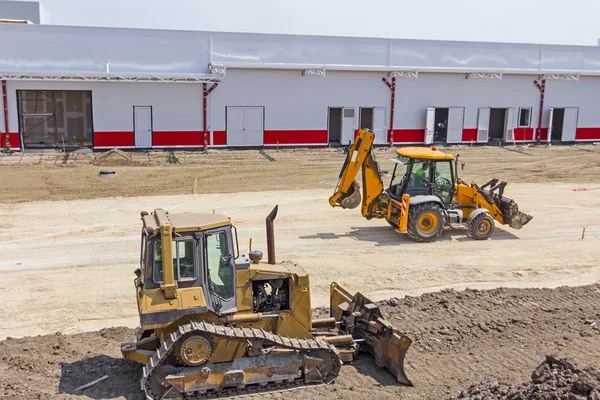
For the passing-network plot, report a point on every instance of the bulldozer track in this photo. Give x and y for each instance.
(267, 338)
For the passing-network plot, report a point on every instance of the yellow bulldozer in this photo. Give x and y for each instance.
(425, 193)
(214, 323)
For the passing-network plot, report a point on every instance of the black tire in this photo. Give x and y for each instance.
(482, 226)
(425, 222)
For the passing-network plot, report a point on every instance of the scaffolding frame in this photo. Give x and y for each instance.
(50, 115)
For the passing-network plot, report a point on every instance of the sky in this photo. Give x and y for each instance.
(528, 21)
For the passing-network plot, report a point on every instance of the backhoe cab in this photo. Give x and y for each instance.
(425, 194)
(215, 323)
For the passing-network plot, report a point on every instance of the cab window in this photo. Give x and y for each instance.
(183, 260)
(420, 174)
(143, 253)
(400, 169)
(443, 181)
(220, 269)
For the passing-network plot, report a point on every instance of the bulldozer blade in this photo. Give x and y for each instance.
(360, 317)
(519, 220)
(353, 198)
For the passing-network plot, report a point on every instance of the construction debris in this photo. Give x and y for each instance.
(265, 155)
(92, 383)
(552, 379)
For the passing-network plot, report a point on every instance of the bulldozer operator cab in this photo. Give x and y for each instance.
(416, 175)
(199, 262)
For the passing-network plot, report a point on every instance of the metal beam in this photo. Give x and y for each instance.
(112, 77)
(218, 69)
(484, 75)
(562, 77)
(404, 74)
(313, 72)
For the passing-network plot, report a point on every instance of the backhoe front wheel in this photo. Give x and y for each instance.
(481, 227)
(425, 222)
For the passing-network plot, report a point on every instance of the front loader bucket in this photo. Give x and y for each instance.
(358, 316)
(519, 220)
(512, 216)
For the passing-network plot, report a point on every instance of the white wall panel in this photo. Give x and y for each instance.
(414, 96)
(175, 107)
(232, 48)
(86, 49)
(584, 94)
(293, 101)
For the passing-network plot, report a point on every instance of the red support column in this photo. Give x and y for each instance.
(205, 93)
(6, 130)
(542, 89)
(392, 87)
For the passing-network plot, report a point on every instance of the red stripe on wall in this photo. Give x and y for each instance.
(543, 134)
(15, 140)
(113, 139)
(469, 135)
(587, 134)
(523, 134)
(179, 138)
(409, 135)
(220, 138)
(296, 137)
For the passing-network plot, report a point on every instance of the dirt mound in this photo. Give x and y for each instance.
(53, 366)
(114, 158)
(459, 338)
(552, 379)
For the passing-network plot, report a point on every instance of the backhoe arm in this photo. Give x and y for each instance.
(347, 191)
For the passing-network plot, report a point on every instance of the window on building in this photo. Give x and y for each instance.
(524, 117)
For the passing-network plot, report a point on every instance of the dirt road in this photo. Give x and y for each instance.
(68, 265)
(34, 177)
(459, 338)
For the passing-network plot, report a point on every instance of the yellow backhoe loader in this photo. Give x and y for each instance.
(425, 193)
(214, 323)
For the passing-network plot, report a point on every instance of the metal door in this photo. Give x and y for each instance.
(347, 125)
(235, 126)
(570, 124)
(483, 125)
(253, 126)
(379, 125)
(142, 121)
(549, 139)
(245, 126)
(429, 125)
(509, 133)
(456, 116)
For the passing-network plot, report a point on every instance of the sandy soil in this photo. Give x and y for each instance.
(459, 338)
(68, 266)
(69, 241)
(34, 177)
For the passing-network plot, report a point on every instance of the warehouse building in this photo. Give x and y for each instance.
(133, 88)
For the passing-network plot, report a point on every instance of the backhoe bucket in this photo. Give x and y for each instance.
(358, 316)
(353, 198)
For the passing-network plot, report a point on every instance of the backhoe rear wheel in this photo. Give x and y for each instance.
(425, 222)
(481, 227)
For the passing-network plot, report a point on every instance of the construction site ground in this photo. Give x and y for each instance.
(69, 242)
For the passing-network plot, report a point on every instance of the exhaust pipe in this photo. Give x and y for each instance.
(271, 235)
